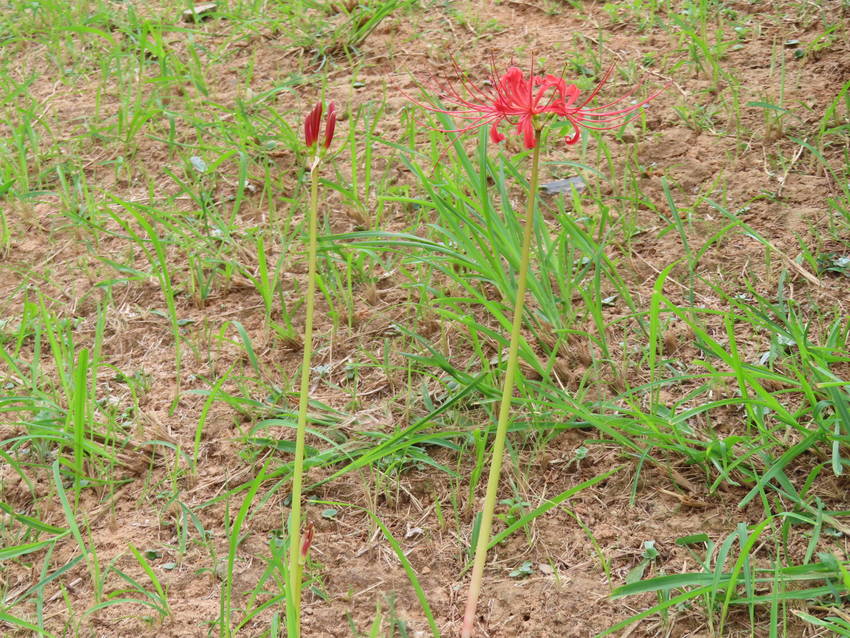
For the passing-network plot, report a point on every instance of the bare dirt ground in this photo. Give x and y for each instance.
(567, 592)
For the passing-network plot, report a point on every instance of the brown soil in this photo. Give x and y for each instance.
(567, 592)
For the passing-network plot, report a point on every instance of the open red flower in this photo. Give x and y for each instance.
(519, 100)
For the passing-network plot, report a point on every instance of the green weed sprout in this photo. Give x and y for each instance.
(529, 103)
(298, 550)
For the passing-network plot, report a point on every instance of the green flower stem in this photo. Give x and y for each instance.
(295, 566)
(504, 410)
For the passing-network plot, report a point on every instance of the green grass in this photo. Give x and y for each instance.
(684, 333)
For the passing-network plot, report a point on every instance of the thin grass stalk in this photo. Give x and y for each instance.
(77, 417)
(504, 409)
(295, 565)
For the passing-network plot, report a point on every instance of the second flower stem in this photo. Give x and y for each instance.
(295, 566)
(498, 452)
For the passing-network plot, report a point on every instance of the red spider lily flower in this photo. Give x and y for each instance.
(330, 124)
(524, 101)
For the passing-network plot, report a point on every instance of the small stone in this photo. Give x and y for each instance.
(199, 12)
(564, 185)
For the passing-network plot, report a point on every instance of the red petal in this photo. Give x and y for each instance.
(526, 127)
(330, 124)
(311, 125)
(494, 133)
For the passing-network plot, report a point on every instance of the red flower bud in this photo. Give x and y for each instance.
(306, 541)
(330, 124)
(311, 125)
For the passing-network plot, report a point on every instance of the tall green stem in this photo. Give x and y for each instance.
(504, 410)
(295, 566)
